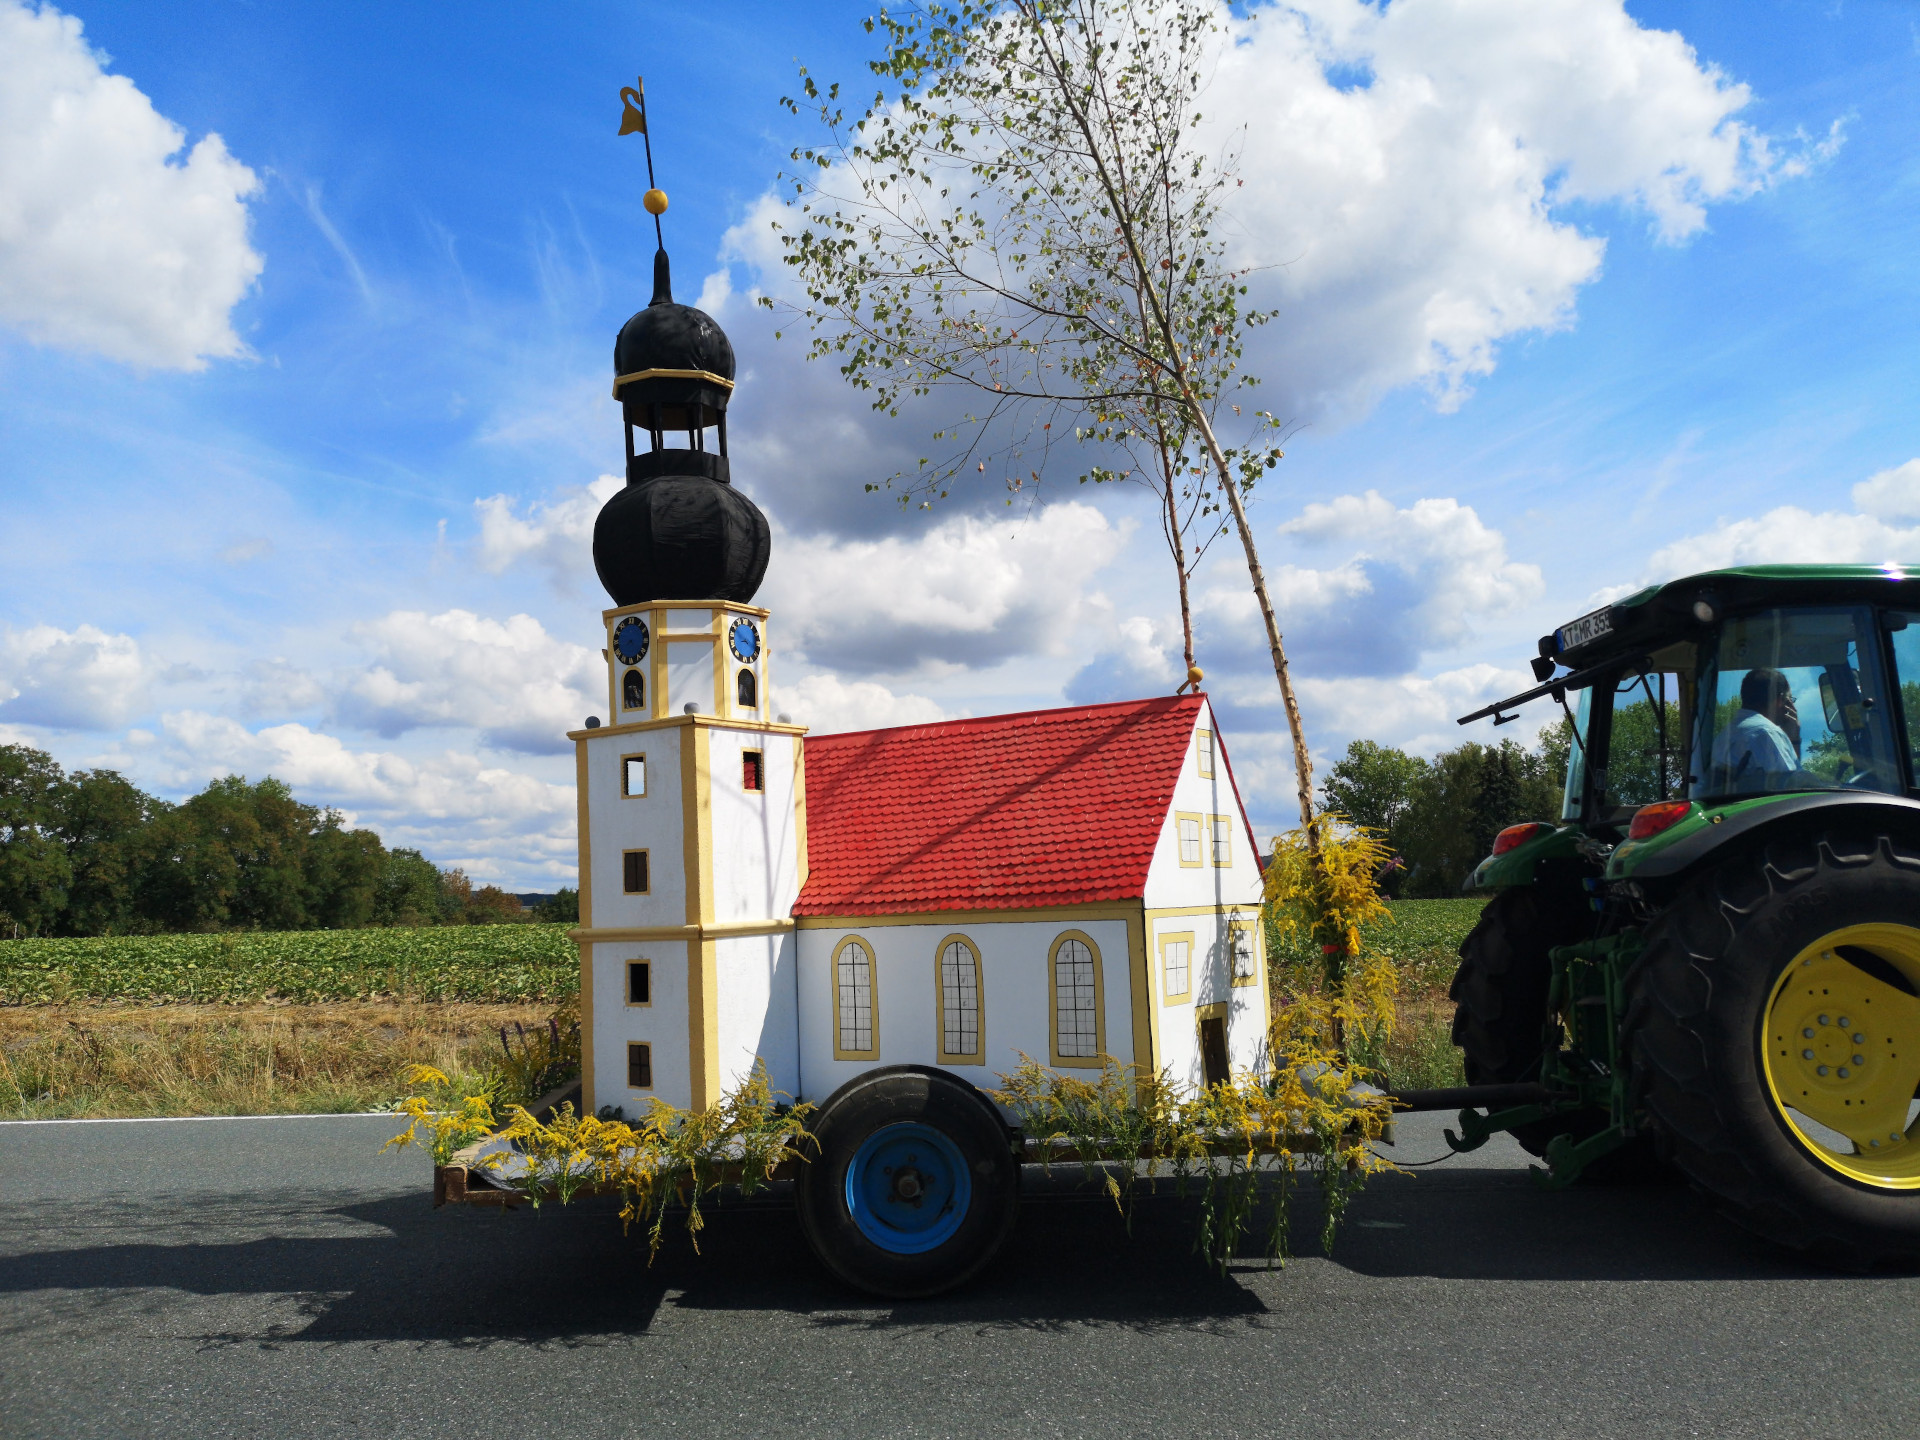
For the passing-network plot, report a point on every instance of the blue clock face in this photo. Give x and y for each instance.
(630, 640)
(744, 640)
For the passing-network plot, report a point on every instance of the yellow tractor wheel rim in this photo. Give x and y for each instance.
(1842, 1049)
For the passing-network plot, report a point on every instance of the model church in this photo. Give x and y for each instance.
(1066, 884)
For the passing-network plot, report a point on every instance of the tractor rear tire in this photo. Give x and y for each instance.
(1500, 995)
(1783, 983)
(914, 1185)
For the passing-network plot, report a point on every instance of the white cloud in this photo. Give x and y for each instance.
(556, 535)
(1871, 534)
(833, 706)
(964, 592)
(82, 679)
(1412, 580)
(501, 823)
(510, 680)
(107, 243)
(1890, 495)
(1403, 164)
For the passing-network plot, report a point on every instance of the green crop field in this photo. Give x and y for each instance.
(1424, 936)
(480, 964)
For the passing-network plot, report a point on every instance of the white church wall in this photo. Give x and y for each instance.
(652, 822)
(1016, 995)
(758, 993)
(660, 1024)
(755, 844)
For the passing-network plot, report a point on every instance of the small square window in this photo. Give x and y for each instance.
(639, 983)
(1222, 840)
(751, 776)
(636, 872)
(1205, 744)
(1189, 841)
(633, 776)
(1243, 966)
(640, 1066)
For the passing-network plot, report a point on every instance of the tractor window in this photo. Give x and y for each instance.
(1906, 660)
(1632, 736)
(1796, 704)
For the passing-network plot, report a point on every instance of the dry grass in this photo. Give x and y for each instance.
(60, 1061)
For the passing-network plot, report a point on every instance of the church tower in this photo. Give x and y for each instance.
(692, 796)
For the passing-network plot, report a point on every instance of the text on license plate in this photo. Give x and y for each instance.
(1576, 633)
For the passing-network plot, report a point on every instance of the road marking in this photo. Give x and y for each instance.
(183, 1119)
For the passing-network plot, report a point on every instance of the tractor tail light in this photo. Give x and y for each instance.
(1516, 835)
(1650, 820)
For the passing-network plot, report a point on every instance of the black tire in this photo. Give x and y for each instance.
(1500, 995)
(1698, 1022)
(960, 1117)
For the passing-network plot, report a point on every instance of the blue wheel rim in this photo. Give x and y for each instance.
(908, 1188)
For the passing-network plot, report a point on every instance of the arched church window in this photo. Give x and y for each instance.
(1075, 972)
(959, 982)
(747, 691)
(855, 1036)
(633, 691)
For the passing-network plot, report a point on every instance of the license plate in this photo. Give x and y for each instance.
(1576, 633)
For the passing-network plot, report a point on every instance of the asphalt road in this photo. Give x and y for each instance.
(282, 1278)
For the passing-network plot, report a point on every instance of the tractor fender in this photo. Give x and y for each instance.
(1751, 823)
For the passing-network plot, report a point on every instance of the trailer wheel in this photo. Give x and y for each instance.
(914, 1185)
(1775, 1028)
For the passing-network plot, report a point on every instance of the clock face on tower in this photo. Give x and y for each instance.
(630, 640)
(744, 640)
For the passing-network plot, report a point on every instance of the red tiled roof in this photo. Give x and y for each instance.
(1049, 807)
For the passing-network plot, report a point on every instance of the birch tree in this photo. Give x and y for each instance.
(1023, 212)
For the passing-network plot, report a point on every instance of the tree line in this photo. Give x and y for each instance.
(87, 852)
(1441, 815)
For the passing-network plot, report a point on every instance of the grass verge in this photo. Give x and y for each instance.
(69, 1061)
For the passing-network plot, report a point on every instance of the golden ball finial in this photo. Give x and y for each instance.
(1195, 675)
(655, 201)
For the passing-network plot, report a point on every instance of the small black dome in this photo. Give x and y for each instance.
(681, 536)
(667, 336)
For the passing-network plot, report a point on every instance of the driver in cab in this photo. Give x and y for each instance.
(1762, 745)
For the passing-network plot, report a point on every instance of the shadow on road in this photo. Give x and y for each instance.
(403, 1272)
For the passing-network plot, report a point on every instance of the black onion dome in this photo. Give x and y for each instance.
(679, 530)
(688, 346)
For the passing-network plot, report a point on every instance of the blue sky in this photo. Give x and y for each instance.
(300, 430)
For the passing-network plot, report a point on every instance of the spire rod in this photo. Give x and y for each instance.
(634, 117)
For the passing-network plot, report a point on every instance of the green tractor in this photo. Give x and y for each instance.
(1712, 960)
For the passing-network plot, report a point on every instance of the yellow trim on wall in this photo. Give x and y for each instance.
(978, 1054)
(1212, 1010)
(1146, 1015)
(1179, 847)
(1204, 753)
(732, 607)
(800, 809)
(1232, 907)
(657, 666)
(841, 1052)
(586, 918)
(641, 756)
(717, 930)
(1037, 915)
(703, 1022)
(1076, 1062)
(1169, 996)
(641, 727)
(1250, 930)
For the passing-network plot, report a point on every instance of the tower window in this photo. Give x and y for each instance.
(1222, 840)
(640, 1066)
(1189, 828)
(639, 983)
(635, 862)
(747, 691)
(633, 776)
(633, 691)
(751, 774)
(1204, 744)
(959, 1001)
(1243, 962)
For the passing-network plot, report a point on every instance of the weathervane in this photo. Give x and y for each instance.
(633, 119)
